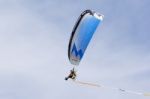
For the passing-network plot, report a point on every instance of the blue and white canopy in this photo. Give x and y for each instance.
(82, 34)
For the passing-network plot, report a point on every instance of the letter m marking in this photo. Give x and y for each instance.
(77, 52)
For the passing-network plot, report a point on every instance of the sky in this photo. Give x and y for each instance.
(34, 37)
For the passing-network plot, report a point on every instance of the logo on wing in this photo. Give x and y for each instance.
(77, 52)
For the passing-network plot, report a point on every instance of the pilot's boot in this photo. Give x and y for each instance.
(66, 78)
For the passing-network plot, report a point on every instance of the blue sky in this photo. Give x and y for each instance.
(34, 37)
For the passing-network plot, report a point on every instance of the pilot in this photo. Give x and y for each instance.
(72, 75)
